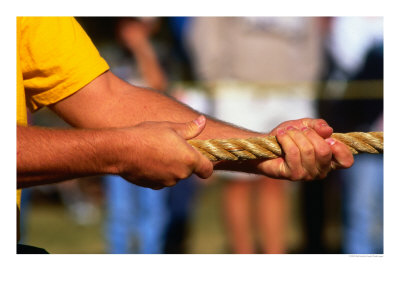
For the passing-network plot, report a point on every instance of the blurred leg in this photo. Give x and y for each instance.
(152, 219)
(363, 226)
(120, 201)
(25, 208)
(377, 233)
(180, 206)
(236, 200)
(272, 214)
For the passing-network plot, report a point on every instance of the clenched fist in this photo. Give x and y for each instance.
(156, 154)
(309, 152)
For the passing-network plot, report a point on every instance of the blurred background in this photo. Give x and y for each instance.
(254, 72)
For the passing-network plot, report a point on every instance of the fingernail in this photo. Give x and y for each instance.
(304, 128)
(280, 131)
(330, 141)
(289, 128)
(200, 120)
(325, 125)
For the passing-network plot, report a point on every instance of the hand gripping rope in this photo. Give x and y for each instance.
(268, 147)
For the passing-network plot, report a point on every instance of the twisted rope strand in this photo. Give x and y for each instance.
(268, 147)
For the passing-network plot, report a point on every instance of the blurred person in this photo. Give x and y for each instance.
(135, 34)
(181, 197)
(136, 216)
(262, 71)
(155, 221)
(118, 133)
(26, 197)
(355, 48)
(142, 220)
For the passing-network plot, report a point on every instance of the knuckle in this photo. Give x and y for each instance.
(178, 172)
(348, 163)
(206, 173)
(319, 121)
(210, 171)
(324, 151)
(190, 159)
(305, 121)
(294, 178)
(308, 150)
(183, 174)
(292, 151)
(311, 175)
(304, 175)
(298, 175)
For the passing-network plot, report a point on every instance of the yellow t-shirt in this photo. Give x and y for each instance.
(55, 58)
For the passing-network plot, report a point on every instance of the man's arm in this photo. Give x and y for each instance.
(110, 102)
(50, 155)
(138, 154)
(141, 135)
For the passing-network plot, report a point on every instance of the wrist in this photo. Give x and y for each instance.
(110, 149)
(139, 46)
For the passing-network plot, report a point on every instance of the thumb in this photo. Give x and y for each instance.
(320, 126)
(191, 129)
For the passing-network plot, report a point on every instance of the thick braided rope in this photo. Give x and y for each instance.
(268, 147)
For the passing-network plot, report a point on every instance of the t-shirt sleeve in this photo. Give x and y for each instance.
(57, 59)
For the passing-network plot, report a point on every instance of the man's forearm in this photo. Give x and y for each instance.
(110, 102)
(52, 155)
(154, 106)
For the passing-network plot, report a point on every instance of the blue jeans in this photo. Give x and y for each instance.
(180, 206)
(136, 216)
(363, 205)
(24, 213)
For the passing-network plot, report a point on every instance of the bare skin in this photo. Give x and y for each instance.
(135, 36)
(51, 155)
(270, 214)
(141, 135)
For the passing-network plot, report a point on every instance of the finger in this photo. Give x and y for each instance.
(306, 148)
(322, 151)
(319, 125)
(292, 167)
(190, 129)
(203, 168)
(147, 183)
(342, 158)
